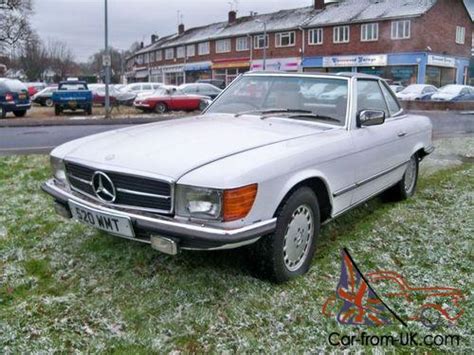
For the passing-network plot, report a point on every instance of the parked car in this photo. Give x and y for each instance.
(216, 82)
(72, 95)
(201, 89)
(45, 97)
(417, 92)
(264, 170)
(13, 98)
(142, 88)
(116, 96)
(34, 88)
(171, 99)
(454, 93)
(397, 88)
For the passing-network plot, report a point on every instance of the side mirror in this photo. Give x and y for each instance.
(367, 118)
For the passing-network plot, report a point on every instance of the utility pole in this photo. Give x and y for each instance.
(107, 63)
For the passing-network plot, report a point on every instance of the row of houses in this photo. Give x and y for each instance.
(407, 41)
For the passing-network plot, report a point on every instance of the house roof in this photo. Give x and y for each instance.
(470, 8)
(346, 11)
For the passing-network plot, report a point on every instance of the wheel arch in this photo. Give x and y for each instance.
(317, 183)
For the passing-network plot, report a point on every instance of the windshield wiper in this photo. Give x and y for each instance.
(316, 117)
(272, 111)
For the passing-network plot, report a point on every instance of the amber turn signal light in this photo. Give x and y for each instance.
(238, 202)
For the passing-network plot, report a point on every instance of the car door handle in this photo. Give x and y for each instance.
(402, 134)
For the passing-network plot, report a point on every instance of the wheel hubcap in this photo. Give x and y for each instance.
(410, 175)
(298, 238)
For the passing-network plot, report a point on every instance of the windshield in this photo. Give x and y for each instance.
(318, 98)
(73, 87)
(413, 89)
(450, 89)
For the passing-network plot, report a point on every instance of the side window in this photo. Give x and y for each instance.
(370, 97)
(393, 106)
(135, 88)
(146, 87)
(464, 91)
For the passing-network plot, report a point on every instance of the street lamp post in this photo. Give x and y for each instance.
(107, 63)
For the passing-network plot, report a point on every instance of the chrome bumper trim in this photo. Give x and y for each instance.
(167, 227)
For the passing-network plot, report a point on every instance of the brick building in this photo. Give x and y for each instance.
(410, 41)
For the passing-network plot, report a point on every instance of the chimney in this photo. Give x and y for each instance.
(232, 16)
(181, 29)
(142, 45)
(154, 38)
(319, 4)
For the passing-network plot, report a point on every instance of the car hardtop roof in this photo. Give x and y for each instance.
(305, 74)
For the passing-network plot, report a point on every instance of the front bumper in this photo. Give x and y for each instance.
(187, 235)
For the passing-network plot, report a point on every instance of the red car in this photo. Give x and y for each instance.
(171, 99)
(34, 88)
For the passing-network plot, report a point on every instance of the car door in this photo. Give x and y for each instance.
(381, 150)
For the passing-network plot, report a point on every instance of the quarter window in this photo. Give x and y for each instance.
(341, 34)
(401, 29)
(169, 53)
(260, 42)
(316, 36)
(370, 97)
(392, 103)
(203, 48)
(369, 32)
(223, 46)
(285, 39)
(242, 44)
(460, 35)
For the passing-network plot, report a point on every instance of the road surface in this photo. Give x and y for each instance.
(34, 140)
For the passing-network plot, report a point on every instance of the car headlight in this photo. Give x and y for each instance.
(215, 204)
(59, 170)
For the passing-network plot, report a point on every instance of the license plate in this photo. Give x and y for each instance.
(22, 96)
(111, 223)
(72, 103)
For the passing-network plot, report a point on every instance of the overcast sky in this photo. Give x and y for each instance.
(81, 22)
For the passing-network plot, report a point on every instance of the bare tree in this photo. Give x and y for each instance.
(14, 22)
(61, 58)
(33, 58)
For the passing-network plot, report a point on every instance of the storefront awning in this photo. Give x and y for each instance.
(198, 66)
(141, 74)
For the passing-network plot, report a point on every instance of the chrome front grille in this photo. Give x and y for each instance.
(133, 192)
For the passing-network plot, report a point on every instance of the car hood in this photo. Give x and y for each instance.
(444, 97)
(171, 149)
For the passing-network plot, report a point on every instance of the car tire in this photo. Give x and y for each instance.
(161, 108)
(20, 113)
(89, 111)
(406, 187)
(287, 253)
(57, 110)
(3, 112)
(48, 103)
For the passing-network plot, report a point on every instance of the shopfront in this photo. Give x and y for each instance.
(198, 71)
(173, 74)
(156, 75)
(229, 69)
(403, 68)
(277, 64)
(141, 75)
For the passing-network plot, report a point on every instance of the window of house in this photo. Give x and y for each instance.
(260, 41)
(369, 32)
(203, 48)
(401, 29)
(460, 35)
(169, 53)
(341, 34)
(242, 44)
(191, 50)
(223, 46)
(152, 57)
(316, 36)
(159, 55)
(285, 39)
(180, 52)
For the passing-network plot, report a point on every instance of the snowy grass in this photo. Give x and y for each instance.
(67, 288)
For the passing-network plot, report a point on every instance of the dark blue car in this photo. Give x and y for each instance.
(13, 98)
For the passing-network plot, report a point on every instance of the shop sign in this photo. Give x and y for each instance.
(441, 61)
(198, 66)
(173, 69)
(284, 64)
(227, 65)
(355, 61)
